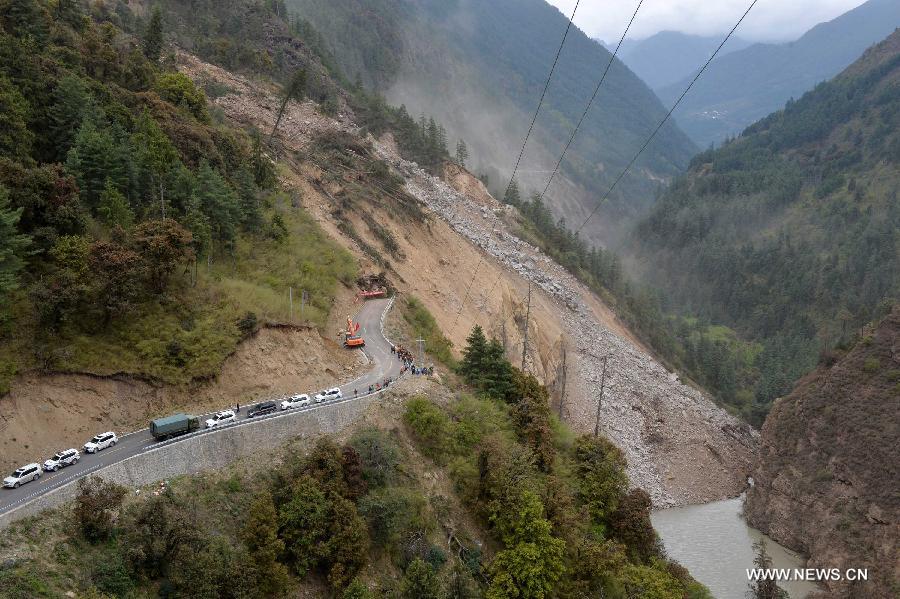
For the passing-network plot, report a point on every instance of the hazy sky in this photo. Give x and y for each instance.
(769, 19)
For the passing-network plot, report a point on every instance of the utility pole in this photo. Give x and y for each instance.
(562, 394)
(291, 299)
(302, 302)
(600, 399)
(527, 317)
(421, 352)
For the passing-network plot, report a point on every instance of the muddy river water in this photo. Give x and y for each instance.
(714, 542)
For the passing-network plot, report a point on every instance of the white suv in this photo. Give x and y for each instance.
(334, 393)
(62, 459)
(23, 475)
(101, 441)
(295, 401)
(223, 417)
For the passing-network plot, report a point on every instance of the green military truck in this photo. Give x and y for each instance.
(171, 426)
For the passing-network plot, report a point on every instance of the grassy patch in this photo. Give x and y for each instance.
(425, 327)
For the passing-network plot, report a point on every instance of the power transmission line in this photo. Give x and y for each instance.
(593, 97)
(522, 149)
(665, 118)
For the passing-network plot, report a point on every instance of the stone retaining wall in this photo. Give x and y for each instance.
(210, 451)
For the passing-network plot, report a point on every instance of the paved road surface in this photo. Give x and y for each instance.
(378, 349)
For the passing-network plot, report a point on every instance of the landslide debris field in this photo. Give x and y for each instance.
(680, 446)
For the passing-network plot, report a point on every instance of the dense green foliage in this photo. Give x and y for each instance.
(790, 234)
(560, 510)
(115, 184)
(424, 326)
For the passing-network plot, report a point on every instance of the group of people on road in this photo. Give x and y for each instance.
(405, 356)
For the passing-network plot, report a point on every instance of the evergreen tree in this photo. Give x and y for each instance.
(95, 158)
(13, 246)
(497, 373)
(219, 202)
(15, 138)
(462, 153)
(113, 208)
(153, 37)
(511, 196)
(260, 536)
(72, 102)
(764, 589)
(474, 355)
(69, 11)
(155, 155)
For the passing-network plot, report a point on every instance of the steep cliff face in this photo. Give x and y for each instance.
(827, 480)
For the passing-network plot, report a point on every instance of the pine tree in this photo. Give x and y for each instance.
(474, 355)
(15, 138)
(153, 38)
(496, 372)
(13, 246)
(462, 153)
(113, 208)
(72, 102)
(260, 536)
(294, 90)
(764, 589)
(219, 202)
(512, 196)
(154, 154)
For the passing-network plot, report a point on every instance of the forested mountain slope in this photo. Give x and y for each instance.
(790, 234)
(826, 483)
(117, 182)
(744, 86)
(480, 68)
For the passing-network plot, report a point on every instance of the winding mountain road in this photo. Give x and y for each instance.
(378, 350)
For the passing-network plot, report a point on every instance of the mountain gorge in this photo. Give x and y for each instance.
(744, 86)
(480, 68)
(789, 233)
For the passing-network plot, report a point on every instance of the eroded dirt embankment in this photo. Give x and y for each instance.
(45, 413)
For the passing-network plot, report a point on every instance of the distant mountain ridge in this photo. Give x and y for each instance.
(669, 56)
(480, 67)
(790, 234)
(744, 86)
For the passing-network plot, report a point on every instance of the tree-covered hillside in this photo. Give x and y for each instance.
(480, 67)
(139, 232)
(790, 234)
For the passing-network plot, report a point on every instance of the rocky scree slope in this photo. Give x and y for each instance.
(826, 480)
(680, 446)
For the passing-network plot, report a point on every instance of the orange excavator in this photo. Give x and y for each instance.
(352, 338)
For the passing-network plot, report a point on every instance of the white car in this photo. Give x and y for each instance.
(61, 460)
(295, 401)
(334, 393)
(219, 418)
(23, 475)
(101, 441)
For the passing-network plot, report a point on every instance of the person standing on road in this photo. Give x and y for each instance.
(237, 409)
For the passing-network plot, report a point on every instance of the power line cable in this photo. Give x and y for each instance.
(522, 149)
(591, 101)
(665, 119)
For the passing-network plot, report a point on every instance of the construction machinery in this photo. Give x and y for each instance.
(352, 338)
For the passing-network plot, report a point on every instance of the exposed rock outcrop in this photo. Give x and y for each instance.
(827, 479)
